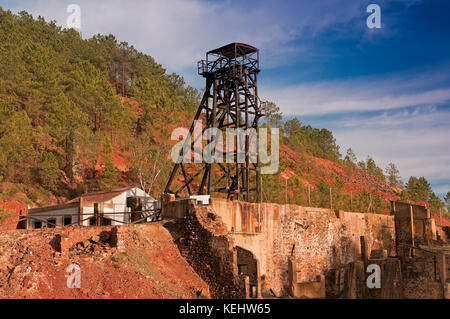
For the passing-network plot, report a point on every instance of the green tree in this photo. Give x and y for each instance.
(49, 172)
(109, 178)
(404, 196)
(371, 167)
(350, 157)
(323, 193)
(419, 188)
(393, 175)
(60, 93)
(17, 153)
(435, 202)
(273, 114)
(447, 200)
(317, 142)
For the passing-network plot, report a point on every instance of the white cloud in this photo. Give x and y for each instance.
(400, 118)
(361, 94)
(179, 32)
(417, 141)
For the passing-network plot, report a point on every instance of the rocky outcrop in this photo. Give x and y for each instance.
(203, 240)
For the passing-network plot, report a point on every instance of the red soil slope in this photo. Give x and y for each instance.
(124, 262)
(9, 213)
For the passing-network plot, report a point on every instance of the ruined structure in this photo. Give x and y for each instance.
(272, 250)
(231, 249)
(230, 101)
(425, 260)
(266, 237)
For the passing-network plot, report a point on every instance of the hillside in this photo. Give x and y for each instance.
(146, 264)
(80, 115)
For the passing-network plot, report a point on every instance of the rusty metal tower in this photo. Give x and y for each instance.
(230, 101)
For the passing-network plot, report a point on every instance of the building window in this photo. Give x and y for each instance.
(51, 223)
(37, 225)
(67, 221)
(92, 221)
(106, 221)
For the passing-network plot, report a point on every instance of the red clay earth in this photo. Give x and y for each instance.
(116, 262)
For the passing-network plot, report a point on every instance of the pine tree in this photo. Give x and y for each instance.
(350, 158)
(419, 188)
(273, 114)
(49, 172)
(435, 202)
(447, 200)
(393, 175)
(110, 177)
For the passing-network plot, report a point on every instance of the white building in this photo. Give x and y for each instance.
(114, 207)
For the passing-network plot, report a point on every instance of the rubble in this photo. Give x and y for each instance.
(33, 264)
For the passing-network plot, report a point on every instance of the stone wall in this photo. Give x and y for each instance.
(204, 242)
(412, 220)
(320, 239)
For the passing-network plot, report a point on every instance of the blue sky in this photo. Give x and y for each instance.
(383, 92)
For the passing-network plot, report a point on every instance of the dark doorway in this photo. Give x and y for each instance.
(22, 224)
(106, 221)
(136, 208)
(37, 225)
(67, 221)
(247, 265)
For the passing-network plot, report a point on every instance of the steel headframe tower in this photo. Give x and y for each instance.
(230, 101)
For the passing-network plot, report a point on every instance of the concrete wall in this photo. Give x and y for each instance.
(424, 227)
(56, 213)
(320, 239)
(118, 204)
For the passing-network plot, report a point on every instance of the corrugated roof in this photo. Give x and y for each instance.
(101, 196)
(233, 50)
(53, 207)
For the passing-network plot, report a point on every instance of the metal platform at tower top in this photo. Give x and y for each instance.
(233, 57)
(230, 100)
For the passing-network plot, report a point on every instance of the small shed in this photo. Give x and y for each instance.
(112, 207)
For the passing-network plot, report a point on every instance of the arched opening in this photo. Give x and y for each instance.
(247, 265)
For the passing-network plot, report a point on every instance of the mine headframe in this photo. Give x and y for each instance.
(230, 101)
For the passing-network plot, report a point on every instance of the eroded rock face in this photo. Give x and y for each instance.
(116, 262)
(203, 240)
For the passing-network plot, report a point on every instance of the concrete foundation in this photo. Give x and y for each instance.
(320, 239)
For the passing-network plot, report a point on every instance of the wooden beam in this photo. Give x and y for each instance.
(442, 268)
(412, 229)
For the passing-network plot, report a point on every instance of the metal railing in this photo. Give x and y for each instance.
(95, 219)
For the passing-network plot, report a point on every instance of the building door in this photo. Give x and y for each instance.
(136, 208)
(96, 215)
